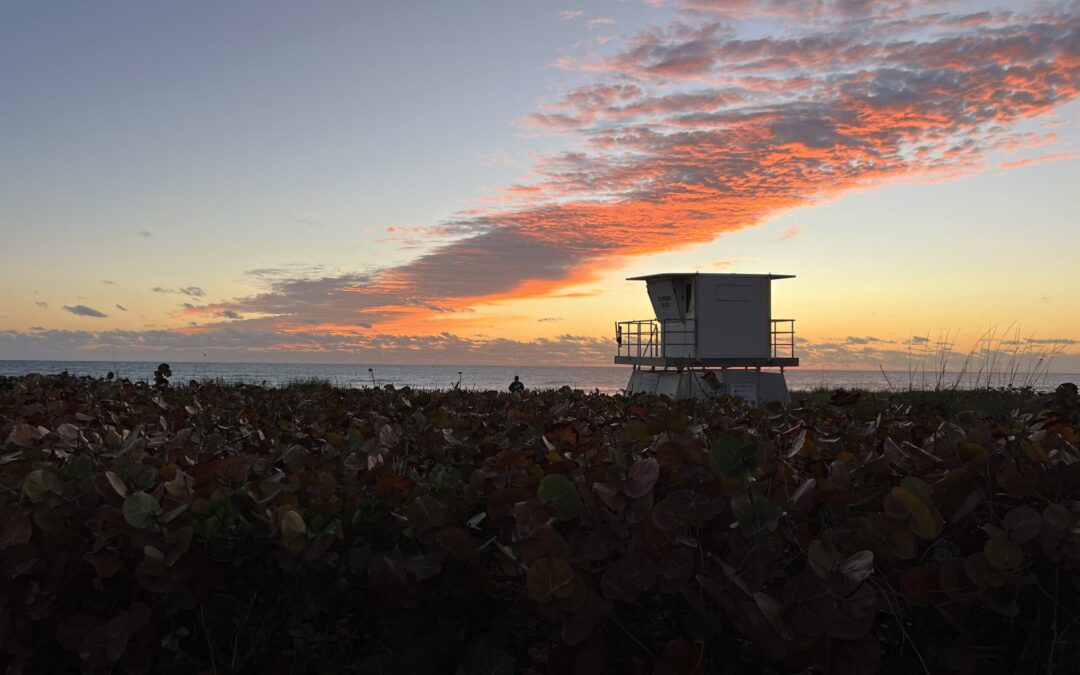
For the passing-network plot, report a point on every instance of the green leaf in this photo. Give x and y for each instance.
(560, 494)
(1001, 553)
(919, 487)
(293, 531)
(444, 478)
(141, 510)
(637, 431)
(131, 441)
(736, 454)
(40, 482)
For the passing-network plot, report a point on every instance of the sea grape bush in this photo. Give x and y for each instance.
(209, 528)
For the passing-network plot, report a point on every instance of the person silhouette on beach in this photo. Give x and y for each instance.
(517, 385)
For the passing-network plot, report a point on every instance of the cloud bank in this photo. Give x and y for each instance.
(694, 129)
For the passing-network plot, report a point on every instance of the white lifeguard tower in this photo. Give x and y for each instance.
(713, 335)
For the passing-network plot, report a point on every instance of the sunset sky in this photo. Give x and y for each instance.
(472, 182)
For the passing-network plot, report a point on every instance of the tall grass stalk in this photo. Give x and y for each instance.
(999, 359)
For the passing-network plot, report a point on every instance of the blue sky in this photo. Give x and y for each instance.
(398, 168)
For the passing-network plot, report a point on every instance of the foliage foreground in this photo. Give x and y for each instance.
(210, 528)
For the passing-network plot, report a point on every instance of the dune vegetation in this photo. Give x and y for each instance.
(149, 527)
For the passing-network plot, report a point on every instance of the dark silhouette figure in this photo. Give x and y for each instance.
(162, 375)
(517, 385)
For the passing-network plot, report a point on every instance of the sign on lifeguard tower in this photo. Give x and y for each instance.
(713, 334)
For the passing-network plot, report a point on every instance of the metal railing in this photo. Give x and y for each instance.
(660, 338)
(783, 338)
(656, 338)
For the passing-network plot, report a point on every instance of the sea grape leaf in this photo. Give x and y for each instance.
(670, 420)
(293, 530)
(1001, 553)
(578, 625)
(918, 487)
(681, 658)
(17, 530)
(24, 435)
(865, 410)
(423, 567)
(759, 517)
(40, 482)
(117, 483)
(920, 518)
(426, 512)
(1022, 524)
(141, 510)
(736, 454)
(549, 578)
(131, 440)
(851, 573)
(797, 444)
(561, 495)
(444, 478)
(492, 661)
(637, 431)
(642, 477)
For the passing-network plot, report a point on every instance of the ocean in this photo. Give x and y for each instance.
(608, 379)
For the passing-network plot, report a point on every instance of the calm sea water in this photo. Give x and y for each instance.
(605, 378)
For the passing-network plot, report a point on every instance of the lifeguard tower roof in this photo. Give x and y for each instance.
(647, 277)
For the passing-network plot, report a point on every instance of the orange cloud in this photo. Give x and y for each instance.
(1057, 156)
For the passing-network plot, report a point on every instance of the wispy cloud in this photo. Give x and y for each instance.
(145, 234)
(1030, 161)
(108, 283)
(190, 291)
(791, 232)
(121, 307)
(42, 304)
(310, 222)
(549, 319)
(569, 14)
(83, 310)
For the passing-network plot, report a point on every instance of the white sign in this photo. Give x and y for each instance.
(746, 390)
(649, 380)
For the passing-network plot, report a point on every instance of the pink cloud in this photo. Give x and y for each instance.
(791, 232)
